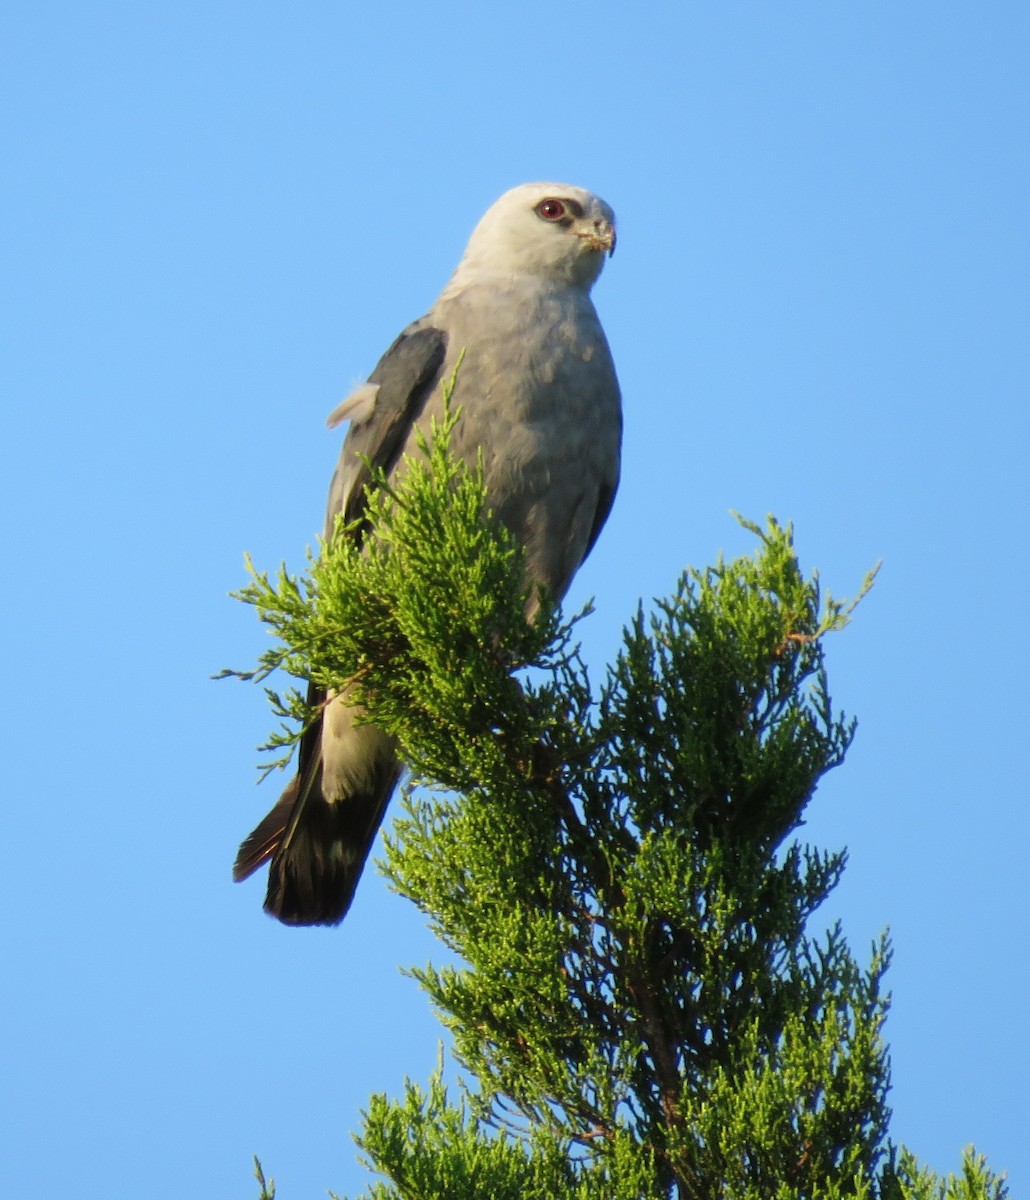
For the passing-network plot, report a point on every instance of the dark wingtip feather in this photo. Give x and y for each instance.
(258, 847)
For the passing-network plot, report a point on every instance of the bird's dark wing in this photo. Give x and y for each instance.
(405, 376)
(605, 497)
(605, 500)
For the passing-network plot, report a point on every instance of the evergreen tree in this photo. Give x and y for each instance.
(641, 1008)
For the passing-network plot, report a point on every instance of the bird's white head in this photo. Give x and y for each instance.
(553, 230)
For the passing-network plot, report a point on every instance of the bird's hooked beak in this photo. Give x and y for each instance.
(601, 237)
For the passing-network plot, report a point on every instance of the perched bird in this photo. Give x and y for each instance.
(539, 397)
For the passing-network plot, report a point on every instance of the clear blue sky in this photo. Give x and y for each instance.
(215, 218)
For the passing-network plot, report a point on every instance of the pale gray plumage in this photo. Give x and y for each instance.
(539, 397)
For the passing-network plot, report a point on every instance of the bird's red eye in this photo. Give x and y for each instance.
(551, 210)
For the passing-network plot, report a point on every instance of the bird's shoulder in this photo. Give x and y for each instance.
(382, 412)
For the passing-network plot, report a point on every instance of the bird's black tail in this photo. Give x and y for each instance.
(317, 849)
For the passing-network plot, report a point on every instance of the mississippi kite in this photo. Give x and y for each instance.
(539, 397)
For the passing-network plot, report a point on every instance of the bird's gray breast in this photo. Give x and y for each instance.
(539, 395)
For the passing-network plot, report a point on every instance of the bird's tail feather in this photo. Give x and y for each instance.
(317, 849)
(312, 877)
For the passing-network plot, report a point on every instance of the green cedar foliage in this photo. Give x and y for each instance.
(639, 1006)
